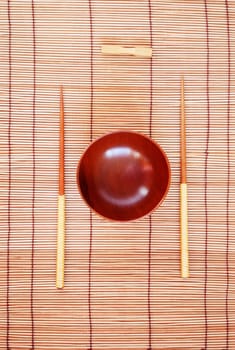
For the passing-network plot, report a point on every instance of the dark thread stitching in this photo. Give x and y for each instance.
(206, 171)
(228, 178)
(9, 177)
(34, 178)
(91, 138)
(150, 218)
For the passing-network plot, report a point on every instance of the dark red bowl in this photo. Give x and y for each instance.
(123, 175)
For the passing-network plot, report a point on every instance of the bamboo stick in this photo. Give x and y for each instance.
(129, 50)
(61, 203)
(183, 191)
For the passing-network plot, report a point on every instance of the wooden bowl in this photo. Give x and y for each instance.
(123, 175)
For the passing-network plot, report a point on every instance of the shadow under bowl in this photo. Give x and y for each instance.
(123, 175)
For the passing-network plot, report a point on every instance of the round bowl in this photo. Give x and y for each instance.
(123, 175)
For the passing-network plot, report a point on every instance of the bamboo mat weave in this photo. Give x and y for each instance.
(122, 286)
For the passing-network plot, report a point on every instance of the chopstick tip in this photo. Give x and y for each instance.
(182, 86)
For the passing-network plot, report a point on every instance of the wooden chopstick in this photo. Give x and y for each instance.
(183, 135)
(61, 153)
(183, 189)
(61, 203)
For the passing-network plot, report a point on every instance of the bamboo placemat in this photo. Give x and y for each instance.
(122, 287)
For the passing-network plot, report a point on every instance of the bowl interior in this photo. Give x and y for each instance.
(123, 175)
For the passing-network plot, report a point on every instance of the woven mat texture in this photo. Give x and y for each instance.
(122, 285)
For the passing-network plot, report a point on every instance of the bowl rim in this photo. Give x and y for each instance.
(124, 132)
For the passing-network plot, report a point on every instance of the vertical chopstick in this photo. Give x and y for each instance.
(61, 203)
(183, 189)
